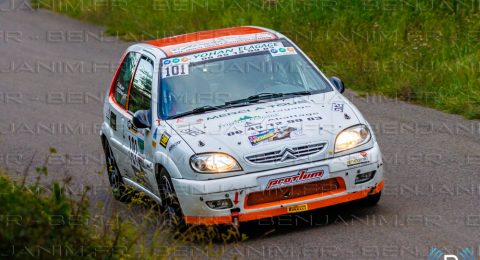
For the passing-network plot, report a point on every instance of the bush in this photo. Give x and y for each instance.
(40, 223)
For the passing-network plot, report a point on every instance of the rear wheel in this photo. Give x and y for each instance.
(170, 204)
(119, 189)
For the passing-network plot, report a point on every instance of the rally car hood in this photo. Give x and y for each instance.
(259, 135)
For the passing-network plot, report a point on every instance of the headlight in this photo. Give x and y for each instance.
(352, 137)
(214, 163)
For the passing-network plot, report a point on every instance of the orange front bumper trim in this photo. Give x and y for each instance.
(215, 220)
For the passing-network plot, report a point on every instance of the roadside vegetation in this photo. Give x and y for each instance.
(44, 222)
(425, 52)
(49, 221)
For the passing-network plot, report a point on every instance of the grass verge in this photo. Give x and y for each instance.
(423, 51)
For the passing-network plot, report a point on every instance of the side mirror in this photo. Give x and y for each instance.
(141, 119)
(338, 83)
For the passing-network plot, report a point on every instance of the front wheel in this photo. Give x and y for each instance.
(170, 204)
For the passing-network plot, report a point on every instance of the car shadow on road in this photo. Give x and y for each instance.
(345, 214)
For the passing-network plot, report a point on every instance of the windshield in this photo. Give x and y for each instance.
(213, 78)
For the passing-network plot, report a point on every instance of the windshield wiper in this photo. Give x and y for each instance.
(201, 110)
(263, 96)
(256, 98)
(198, 110)
(300, 93)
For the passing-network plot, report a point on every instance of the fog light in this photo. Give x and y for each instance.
(220, 204)
(364, 177)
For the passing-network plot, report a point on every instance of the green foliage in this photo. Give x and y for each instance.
(421, 51)
(47, 222)
(51, 222)
(42, 222)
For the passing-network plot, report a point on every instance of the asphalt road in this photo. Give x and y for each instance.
(53, 76)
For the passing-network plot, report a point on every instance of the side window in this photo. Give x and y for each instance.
(124, 77)
(141, 93)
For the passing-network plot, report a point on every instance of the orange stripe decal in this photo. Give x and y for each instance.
(204, 35)
(211, 220)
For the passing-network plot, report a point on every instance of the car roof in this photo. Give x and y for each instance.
(213, 39)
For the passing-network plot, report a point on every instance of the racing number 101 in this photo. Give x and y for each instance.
(175, 70)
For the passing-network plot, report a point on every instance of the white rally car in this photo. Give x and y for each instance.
(234, 125)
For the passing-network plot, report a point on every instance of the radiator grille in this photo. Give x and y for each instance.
(296, 152)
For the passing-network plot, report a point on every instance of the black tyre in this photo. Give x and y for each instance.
(119, 189)
(371, 200)
(170, 205)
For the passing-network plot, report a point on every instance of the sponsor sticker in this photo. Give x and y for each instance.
(274, 106)
(337, 107)
(219, 41)
(297, 208)
(132, 128)
(174, 145)
(113, 121)
(233, 51)
(281, 51)
(193, 131)
(141, 145)
(293, 178)
(155, 133)
(174, 69)
(264, 136)
(272, 135)
(164, 140)
(187, 122)
(358, 159)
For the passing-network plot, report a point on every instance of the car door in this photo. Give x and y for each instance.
(139, 141)
(118, 108)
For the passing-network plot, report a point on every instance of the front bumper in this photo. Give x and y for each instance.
(193, 194)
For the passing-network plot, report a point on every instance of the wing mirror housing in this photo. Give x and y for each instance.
(142, 119)
(338, 83)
